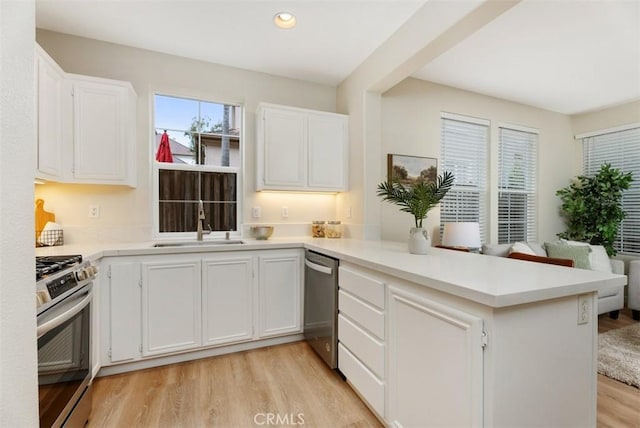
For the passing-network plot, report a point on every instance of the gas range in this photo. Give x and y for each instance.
(57, 277)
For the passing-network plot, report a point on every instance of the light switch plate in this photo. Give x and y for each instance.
(255, 212)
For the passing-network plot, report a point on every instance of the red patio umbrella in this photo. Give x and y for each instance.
(164, 149)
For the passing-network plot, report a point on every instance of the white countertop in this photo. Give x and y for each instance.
(492, 281)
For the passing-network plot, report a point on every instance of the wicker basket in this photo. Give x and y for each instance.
(49, 238)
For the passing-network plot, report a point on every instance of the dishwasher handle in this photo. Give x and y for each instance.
(317, 267)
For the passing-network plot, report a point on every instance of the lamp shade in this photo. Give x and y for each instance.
(461, 235)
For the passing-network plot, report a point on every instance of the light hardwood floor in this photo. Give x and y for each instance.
(230, 391)
(286, 380)
(618, 403)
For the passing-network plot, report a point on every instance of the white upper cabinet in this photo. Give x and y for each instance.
(284, 152)
(49, 83)
(301, 149)
(86, 127)
(103, 130)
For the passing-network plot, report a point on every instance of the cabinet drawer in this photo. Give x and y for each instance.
(365, 382)
(362, 313)
(368, 349)
(367, 288)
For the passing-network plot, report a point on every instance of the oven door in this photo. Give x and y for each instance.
(64, 356)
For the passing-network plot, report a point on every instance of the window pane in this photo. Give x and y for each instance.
(180, 191)
(178, 186)
(221, 150)
(622, 150)
(464, 153)
(517, 182)
(179, 147)
(175, 113)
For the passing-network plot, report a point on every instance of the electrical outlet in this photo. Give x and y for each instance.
(584, 312)
(349, 212)
(94, 211)
(285, 212)
(255, 212)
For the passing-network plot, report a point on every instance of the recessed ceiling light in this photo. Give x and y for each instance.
(284, 20)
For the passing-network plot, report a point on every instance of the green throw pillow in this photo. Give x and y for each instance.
(579, 254)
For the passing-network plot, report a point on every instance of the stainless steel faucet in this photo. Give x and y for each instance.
(201, 218)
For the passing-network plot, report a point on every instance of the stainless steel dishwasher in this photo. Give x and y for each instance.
(321, 306)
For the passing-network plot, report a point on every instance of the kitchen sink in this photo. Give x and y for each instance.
(198, 243)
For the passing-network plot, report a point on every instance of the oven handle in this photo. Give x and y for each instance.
(46, 327)
(317, 267)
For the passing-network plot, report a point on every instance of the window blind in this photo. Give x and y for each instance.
(622, 150)
(464, 153)
(517, 169)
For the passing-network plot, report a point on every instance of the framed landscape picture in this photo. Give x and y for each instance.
(410, 170)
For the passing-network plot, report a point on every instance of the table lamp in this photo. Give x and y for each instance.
(462, 235)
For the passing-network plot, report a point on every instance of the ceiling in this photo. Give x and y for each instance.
(565, 56)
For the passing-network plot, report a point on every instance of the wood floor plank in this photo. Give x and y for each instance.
(286, 381)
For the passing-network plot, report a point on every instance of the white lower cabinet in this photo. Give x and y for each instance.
(171, 306)
(280, 293)
(227, 299)
(121, 306)
(361, 349)
(414, 360)
(166, 304)
(435, 363)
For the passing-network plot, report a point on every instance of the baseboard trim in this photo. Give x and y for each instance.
(195, 355)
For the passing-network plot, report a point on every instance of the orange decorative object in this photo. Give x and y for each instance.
(42, 216)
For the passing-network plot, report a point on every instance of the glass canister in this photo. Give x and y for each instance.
(317, 229)
(334, 229)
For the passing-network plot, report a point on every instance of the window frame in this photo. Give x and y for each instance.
(531, 195)
(589, 169)
(156, 166)
(483, 189)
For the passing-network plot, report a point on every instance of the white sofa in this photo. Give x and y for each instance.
(610, 300)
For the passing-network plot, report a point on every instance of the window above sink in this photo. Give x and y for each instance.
(197, 154)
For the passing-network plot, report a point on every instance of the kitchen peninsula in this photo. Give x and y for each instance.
(467, 339)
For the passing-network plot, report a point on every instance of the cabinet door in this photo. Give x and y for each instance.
(227, 303)
(280, 293)
(171, 306)
(49, 86)
(102, 124)
(327, 152)
(124, 312)
(285, 153)
(435, 363)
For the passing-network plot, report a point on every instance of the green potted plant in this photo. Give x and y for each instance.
(417, 200)
(592, 207)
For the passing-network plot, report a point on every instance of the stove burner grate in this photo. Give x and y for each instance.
(46, 265)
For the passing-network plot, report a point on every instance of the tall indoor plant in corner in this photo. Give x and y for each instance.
(592, 207)
(417, 200)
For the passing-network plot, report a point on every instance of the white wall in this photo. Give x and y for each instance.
(411, 126)
(126, 213)
(434, 28)
(18, 370)
(611, 117)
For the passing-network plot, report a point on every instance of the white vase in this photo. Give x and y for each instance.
(419, 241)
